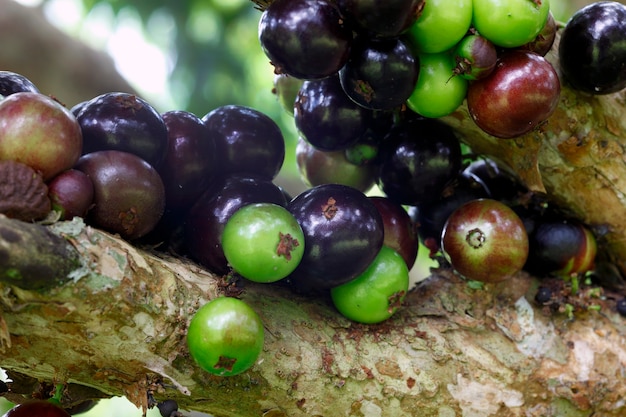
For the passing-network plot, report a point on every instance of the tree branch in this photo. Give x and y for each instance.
(120, 329)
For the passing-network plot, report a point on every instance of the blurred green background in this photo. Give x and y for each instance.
(194, 55)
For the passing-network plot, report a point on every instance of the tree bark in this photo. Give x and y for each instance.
(118, 328)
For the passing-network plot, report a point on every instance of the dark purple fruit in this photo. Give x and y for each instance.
(431, 215)
(475, 57)
(306, 39)
(485, 240)
(400, 231)
(207, 217)
(318, 167)
(561, 247)
(380, 74)
(190, 162)
(382, 18)
(123, 122)
(499, 183)
(71, 193)
(417, 158)
(11, 82)
(592, 49)
(129, 197)
(327, 118)
(343, 233)
(246, 140)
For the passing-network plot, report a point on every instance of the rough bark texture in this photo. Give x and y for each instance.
(119, 327)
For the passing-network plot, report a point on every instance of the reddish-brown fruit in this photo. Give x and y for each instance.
(521, 92)
(23, 194)
(39, 132)
(485, 240)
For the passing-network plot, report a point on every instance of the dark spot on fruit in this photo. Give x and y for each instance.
(129, 102)
(395, 300)
(226, 363)
(286, 244)
(129, 220)
(475, 238)
(410, 383)
(330, 208)
(300, 402)
(364, 90)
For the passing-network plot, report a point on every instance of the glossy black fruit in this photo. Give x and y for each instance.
(207, 217)
(129, 197)
(380, 74)
(343, 233)
(306, 39)
(246, 140)
(11, 82)
(123, 122)
(418, 157)
(327, 118)
(561, 247)
(190, 162)
(381, 18)
(592, 49)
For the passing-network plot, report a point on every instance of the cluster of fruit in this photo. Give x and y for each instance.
(365, 94)
(427, 55)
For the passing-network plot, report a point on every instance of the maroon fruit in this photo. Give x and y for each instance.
(399, 229)
(475, 57)
(485, 240)
(123, 122)
(521, 92)
(190, 161)
(39, 132)
(129, 197)
(545, 39)
(37, 408)
(71, 193)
